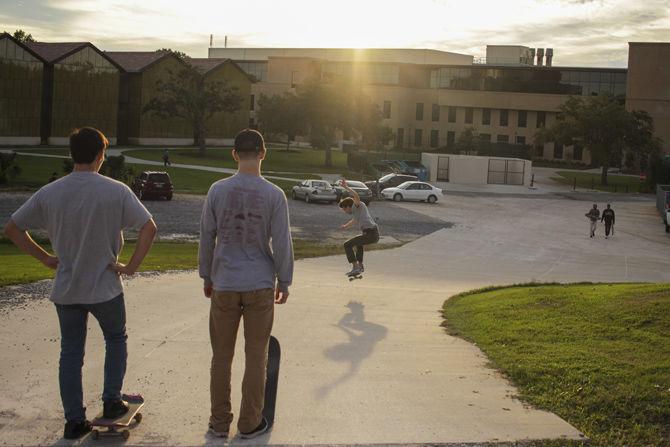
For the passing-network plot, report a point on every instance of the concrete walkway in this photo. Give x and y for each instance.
(363, 362)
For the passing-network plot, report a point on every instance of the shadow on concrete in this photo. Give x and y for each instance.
(363, 336)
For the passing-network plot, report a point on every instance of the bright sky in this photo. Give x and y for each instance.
(582, 32)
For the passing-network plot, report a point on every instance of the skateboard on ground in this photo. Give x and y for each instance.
(356, 276)
(271, 381)
(119, 426)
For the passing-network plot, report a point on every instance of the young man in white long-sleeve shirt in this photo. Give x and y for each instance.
(246, 262)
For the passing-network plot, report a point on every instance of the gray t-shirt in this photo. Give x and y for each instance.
(245, 235)
(362, 215)
(84, 214)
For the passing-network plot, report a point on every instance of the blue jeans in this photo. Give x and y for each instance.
(73, 318)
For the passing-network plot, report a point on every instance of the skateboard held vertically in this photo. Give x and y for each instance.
(119, 426)
(271, 381)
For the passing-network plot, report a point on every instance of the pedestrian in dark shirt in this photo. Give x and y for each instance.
(608, 218)
(166, 158)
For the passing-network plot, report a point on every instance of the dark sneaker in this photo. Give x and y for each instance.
(217, 434)
(355, 271)
(114, 409)
(76, 429)
(262, 428)
(362, 268)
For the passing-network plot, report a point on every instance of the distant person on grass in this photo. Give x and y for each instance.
(166, 158)
(84, 214)
(246, 262)
(608, 218)
(369, 231)
(593, 215)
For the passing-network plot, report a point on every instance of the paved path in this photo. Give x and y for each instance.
(363, 362)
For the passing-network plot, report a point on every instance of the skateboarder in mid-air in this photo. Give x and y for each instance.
(593, 215)
(370, 232)
(84, 214)
(608, 218)
(243, 216)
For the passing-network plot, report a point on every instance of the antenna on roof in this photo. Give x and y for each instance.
(211, 40)
(225, 42)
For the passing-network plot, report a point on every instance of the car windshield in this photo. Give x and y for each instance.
(159, 178)
(386, 178)
(356, 184)
(323, 185)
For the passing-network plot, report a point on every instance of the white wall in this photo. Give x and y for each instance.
(468, 169)
(19, 141)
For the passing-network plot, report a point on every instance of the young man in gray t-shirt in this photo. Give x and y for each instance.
(246, 263)
(84, 214)
(370, 232)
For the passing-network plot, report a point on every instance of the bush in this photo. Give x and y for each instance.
(8, 168)
(356, 162)
(115, 167)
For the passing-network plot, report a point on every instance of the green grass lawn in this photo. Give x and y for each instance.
(46, 150)
(596, 355)
(301, 161)
(616, 183)
(19, 268)
(35, 172)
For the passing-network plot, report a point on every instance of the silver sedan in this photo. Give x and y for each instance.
(314, 191)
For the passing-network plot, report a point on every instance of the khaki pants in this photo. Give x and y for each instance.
(257, 310)
(594, 224)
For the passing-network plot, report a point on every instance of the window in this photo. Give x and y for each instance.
(523, 118)
(252, 103)
(558, 151)
(520, 139)
(436, 113)
(485, 137)
(418, 137)
(434, 135)
(504, 117)
(452, 114)
(468, 115)
(541, 119)
(387, 109)
(419, 111)
(503, 139)
(486, 117)
(400, 137)
(577, 153)
(451, 138)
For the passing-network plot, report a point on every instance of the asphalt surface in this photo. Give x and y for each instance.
(179, 219)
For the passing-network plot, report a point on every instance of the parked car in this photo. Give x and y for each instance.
(420, 191)
(414, 168)
(153, 184)
(389, 181)
(663, 204)
(314, 191)
(363, 191)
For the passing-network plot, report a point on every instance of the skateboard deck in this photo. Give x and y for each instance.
(119, 426)
(358, 276)
(271, 381)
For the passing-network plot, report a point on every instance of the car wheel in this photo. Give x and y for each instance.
(667, 228)
(307, 199)
(293, 196)
(432, 199)
(168, 197)
(397, 197)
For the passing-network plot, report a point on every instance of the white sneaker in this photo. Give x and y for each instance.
(217, 434)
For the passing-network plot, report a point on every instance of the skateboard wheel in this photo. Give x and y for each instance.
(125, 434)
(95, 434)
(138, 418)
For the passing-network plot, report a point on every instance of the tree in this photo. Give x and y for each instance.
(280, 115)
(22, 36)
(188, 95)
(368, 123)
(8, 167)
(468, 141)
(179, 54)
(602, 125)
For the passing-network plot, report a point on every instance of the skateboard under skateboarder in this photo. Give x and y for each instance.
(354, 247)
(84, 214)
(243, 216)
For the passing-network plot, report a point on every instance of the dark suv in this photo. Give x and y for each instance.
(389, 181)
(153, 184)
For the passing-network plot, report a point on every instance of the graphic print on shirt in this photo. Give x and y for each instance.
(242, 218)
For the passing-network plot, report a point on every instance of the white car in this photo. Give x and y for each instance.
(413, 191)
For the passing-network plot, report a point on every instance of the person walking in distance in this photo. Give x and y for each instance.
(84, 215)
(369, 231)
(608, 218)
(166, 158)
(246, 263)
(593, 215)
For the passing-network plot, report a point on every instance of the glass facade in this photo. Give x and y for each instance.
(21, 77)
(259, 70)
(85, 93)
(387, 74)
(555, 80)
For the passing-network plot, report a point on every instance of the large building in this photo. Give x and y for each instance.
(430, 97)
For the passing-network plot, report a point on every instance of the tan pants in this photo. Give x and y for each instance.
(257, 310)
